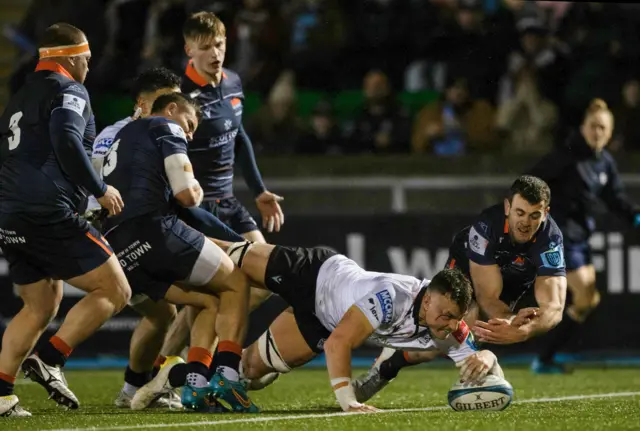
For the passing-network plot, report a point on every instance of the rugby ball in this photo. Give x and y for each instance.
(494, 393)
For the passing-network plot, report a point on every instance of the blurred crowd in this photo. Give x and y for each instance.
(509, 76)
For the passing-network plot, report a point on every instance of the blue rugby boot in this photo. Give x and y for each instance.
(232, 395)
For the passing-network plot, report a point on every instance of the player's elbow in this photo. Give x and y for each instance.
(190, 197)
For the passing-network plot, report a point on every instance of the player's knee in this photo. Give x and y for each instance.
(119, 293)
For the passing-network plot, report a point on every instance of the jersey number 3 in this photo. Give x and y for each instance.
(14, 139)
(111, 159)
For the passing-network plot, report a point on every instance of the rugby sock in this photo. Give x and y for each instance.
(228, 360)
(390, 368)
(198, 361)
(55, 352)
(157, 364)
(178, 375)
(558, 338)
(134, 381)
(214, 364)
(6, 384)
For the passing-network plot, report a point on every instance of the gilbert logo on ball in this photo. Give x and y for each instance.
(494, 393)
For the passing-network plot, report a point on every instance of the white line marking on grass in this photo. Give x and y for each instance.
(331, 415)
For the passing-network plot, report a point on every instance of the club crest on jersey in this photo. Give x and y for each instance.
(236, 103)
(386, 304)
(553, 258)
(176, 130)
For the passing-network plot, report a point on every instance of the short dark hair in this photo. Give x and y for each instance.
(532, 189)
(453, 282)
(178, 98)
(203, 25)
(61, 34)
(153, 80)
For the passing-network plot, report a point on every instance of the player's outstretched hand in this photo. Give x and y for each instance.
(475, 367)
(363, 408)
(112, 201)
(499, 332)
(272, 215)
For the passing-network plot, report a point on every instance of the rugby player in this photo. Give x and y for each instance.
(45, 174)
(580, 174)
(337, 306)
(221, 136)
(159, 323)
(511, 251)
(164, 258)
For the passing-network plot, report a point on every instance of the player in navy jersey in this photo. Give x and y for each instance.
(511, 251)
(165, 259)
(580, 174)
(221, 141)
(45, 174)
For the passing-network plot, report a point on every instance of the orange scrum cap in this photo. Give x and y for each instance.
(65, 50)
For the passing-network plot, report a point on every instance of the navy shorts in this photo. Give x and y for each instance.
(38, 248)
(155, 251)
(577, 254)
(232, 213)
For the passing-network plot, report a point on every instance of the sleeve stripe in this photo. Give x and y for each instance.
(60, 107)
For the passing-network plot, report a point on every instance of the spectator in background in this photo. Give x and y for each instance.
(382, 125)
(456, 124)
(317, 38)
(257, 39)
(323, 135)
(462, 46)
(526, 121)
(276, 128)
(545, 61)
(627, 115)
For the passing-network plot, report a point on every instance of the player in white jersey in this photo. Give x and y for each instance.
(337, 306)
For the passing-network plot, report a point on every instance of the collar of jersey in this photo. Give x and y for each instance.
(416, 307)
(195, 77)
(52, 66)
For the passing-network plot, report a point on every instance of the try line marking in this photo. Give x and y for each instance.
(330, 415)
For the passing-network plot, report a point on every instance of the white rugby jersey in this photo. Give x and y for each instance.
(103, 142)
(388, 302)
(101, 146)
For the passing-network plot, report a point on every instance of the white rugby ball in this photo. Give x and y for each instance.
(494, 393)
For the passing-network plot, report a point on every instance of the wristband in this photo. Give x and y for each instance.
(344, 393)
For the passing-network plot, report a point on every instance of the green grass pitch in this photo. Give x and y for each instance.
(303, 400)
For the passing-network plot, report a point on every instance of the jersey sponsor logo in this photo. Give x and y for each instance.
(462, 332)
(373, 309)
(386, 304)
(176, 130)
(101, 147)
(223, 139)
(73, 103)
(554, 257)
(477, 242)
(75, 87)
(518, 261)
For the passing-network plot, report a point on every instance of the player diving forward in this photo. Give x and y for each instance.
(166, 259)
(337, 306)
(512, 252)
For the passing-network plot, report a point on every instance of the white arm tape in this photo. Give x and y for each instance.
(179, 178)
(345, 394)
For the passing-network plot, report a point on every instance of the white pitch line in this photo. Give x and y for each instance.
(331, 415)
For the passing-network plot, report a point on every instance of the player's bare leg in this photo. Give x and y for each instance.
(40, 305)
(278, 350)
(582, 284)
(258, 296)
(390, 361)
(146, 341)
(107, 294)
